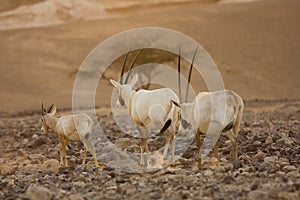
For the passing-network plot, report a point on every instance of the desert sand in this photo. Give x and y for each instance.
(255, 46)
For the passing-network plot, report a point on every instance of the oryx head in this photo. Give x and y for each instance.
(44, 120)
(186, 117)
(124, 89)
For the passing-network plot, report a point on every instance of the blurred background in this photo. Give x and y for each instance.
(255, 44)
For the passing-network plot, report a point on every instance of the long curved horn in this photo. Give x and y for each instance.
(190, 75)
(42, 107)
(179, 81)
(123, 68)
(131, 66)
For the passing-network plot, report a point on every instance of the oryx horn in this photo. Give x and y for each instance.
(131, 66)
(123, 68)
(190, 74)
(179, 82)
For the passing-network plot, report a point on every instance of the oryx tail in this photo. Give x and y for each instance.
(170, 116)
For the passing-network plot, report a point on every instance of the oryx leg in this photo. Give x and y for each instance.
(63, 154)
(62, 150)
(215, 152)
(168, 139)
(173, 148)
(199, 145)
(66, 141)
(90, 147)
(171, 134)
(144, 145)
(231, 136)
(84, 155)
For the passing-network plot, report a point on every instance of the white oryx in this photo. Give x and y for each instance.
(221, 111)
(150, 109)
(64, 127)
(202, 113)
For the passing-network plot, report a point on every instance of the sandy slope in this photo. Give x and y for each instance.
(256, 46)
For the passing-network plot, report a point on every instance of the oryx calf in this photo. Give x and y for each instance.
(204, 112)
(155, 109)
(64, 127)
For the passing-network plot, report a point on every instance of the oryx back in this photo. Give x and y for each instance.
(146, 100)
(66, 125)
(205, 111)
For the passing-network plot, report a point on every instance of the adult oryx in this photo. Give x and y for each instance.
(219, 111)
(69, 128)
(149, 109)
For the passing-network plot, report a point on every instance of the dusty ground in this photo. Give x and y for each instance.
(269, 164)
(257, 49)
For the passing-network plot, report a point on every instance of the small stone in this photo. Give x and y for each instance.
(228, 179)
(208, 172)
(220, 169)
(66, 186)
(79, 184)
(271, 158)
(245, 174)
(155, 195)
(293, 174)
(288, 195)
(257, 143)
(110, 183)
(38, 192)
(75, 197)
(266, 166)
(51, 165)
(257, 194)
(289, 168)
(269, 140)
(280, 173)
(259, 156)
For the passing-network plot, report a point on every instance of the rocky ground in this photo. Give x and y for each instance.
(269, 154)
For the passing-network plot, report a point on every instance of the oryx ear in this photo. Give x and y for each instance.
(134, 80)
(53, 110)
(114, 83)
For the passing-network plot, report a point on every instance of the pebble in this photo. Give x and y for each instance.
(259, 156)
(51, 165)
(79, 184)
(269, 140)
(38, 193)
(288, 195)
(258, 194)
(271, 158)
(257, 142)
(208, 172)
(289, 168)
(75, 197)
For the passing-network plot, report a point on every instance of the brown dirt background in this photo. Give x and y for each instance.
(255, 45)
